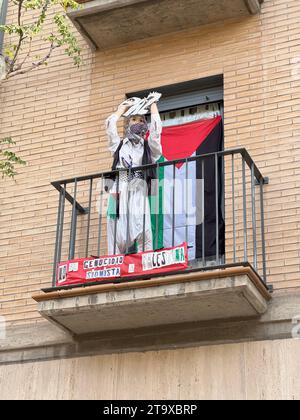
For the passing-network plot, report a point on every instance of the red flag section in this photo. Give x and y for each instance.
(182, 141)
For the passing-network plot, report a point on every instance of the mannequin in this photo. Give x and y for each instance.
(129, 209)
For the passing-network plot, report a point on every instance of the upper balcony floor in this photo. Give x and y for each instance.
(110, 23)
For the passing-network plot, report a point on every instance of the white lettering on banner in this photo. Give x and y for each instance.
(73, 267)
(103, 262)
(156, 260)
(105, 273)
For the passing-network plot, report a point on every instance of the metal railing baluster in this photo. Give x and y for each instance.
(73, 225)
(62, 223)
(245, 210)
(57, 238)
(129, 174)
(117, 215)
(157, 204)
(145, 192)
(174, 205)
(253, 202)
(100, 217)
(187, 202)
(203, 212)
(263, 239)
(89, 219)
(233, 208)
(217, 208)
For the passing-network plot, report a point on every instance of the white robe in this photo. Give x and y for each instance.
(133, 195)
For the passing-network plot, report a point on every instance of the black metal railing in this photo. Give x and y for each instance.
(230, 206)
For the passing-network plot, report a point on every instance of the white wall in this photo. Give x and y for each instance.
(262, 370)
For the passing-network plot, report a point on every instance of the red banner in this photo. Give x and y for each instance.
(110, 268)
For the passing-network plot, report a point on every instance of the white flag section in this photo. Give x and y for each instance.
(186, 197)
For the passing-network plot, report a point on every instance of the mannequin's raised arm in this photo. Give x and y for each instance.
(154, 109)
(155, 133)
(112, 128)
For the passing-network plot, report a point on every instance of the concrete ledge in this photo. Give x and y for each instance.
(41, 334)
(110, 23)
(195, 297)
(43, 341)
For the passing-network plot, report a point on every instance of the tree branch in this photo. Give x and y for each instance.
(43, 13)
(34, 65)
(20, 11)
(26, 57)
(21, 37)
(62, 36)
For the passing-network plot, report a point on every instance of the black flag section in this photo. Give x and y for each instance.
(213, 212)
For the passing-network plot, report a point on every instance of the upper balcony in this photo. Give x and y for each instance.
(221, 218)
(110, 23)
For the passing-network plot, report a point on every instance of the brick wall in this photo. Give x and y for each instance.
(56, 115)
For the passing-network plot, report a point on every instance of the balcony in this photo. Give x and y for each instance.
(110, 23)
(228, 282)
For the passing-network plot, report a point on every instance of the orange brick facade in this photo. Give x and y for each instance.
(56, 115)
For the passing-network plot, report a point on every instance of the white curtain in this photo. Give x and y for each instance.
(186, 115)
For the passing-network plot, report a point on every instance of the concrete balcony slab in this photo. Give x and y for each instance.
(234, 293)
(111, 23)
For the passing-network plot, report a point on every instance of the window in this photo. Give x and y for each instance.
(189, 101)
(185, 103)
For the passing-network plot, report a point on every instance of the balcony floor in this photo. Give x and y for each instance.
(111, 23)
(232, 293)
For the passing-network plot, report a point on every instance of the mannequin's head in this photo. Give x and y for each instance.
(136, 119)
(137, 128)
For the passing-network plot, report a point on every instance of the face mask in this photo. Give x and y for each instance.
(137, 132)
(139, 129)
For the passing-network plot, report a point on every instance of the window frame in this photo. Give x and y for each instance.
(182, 95)
(188, 94)
(202, 91)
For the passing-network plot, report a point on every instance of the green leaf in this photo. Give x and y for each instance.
(35, 13)
(9, 159)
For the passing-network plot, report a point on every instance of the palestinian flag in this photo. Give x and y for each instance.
(195, 190)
